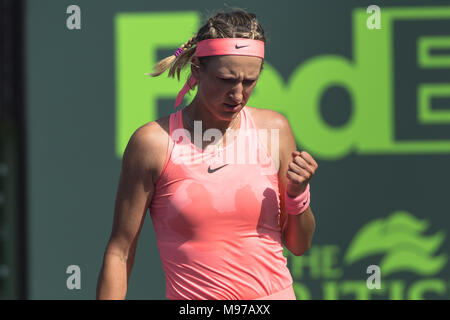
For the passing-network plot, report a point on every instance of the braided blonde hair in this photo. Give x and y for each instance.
(235, 24)
(180, 61)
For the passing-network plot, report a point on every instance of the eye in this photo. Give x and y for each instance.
(232, 81)
(229, 80)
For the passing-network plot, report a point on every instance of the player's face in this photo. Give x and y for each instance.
(226, 83)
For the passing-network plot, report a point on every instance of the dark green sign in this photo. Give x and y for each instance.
(366, 90)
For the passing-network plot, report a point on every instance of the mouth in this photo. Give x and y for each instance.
(232, 106)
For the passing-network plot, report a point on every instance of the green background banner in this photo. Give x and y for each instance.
(371, 105)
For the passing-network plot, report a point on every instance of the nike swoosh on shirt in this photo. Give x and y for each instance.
(214, 170)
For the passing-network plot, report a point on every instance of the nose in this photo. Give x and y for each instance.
(237, 93)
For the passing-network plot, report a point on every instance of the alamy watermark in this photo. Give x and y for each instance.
(374, 281)
(374, 21)
(74, 280)
(74, 20)
(240, 150)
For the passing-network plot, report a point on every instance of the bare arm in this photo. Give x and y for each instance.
(134, 194)
(297, 230)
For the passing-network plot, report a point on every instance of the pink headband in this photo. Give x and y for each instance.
(222, 47)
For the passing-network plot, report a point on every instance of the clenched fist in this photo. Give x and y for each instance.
(300, 171)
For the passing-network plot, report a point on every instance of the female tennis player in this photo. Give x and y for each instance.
(220, 223)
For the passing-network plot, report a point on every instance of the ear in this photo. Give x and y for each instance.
(195, 67)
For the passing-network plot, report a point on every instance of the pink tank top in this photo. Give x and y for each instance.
(216, 219)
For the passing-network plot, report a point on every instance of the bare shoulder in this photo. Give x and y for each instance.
(268, 119)
(154, 129)
(147, 147)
